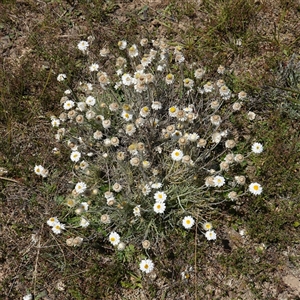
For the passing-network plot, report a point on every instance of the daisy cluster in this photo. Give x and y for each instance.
(151, 142)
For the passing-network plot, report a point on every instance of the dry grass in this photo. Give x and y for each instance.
(36, 37)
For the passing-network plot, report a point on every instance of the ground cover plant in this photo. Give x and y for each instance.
(151, 149)
(165, 180)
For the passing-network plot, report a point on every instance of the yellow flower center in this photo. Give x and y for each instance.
(188, 222)
(255, 187)
(146, 266)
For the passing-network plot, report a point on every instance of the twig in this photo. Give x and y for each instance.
(9, 179)
(36, 264)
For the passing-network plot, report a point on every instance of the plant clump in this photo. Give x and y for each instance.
(152, 144)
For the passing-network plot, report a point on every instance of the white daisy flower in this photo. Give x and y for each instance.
(188, 83)
(38, 170)
(69, 104)
(229, 158)
(216, 137)
(193, 137)
(135, 161)
(105, 219)
(122, 45)
(81, 106)
(242, 95)
(225, 92)
(188, 222)
(219, 181)
(55, 122)
(94, 67)
(126, 115)
(230, 144)
(89, 86)
(143, 42)
(221, 69)
(209, 181)
(104, 52)
(117, 187)
(28, 297)
(199, 73)
(80, 187)
(210, 235)
(257, 148)
(179, 58)
(232, 195)
(224, 166)
(127, 79)
(255, 188)
(240, 179)
(84, 206)
(58, 227)
(130, 129)
(146, 265)
(146, 164)
(121, 246)
(137, 211)
(201, 143)
(61, 77)
(160, 196)
(215, 120)
(119, 72)
(207, 226)
(159, 207)
(75, 156)
(156, 185)
(82, 46)
(160, 68)
(108, 195)
(146, 189)
(169, 79)
(177, 155)
(251, 115)
(145, 111)
(83, 165)
(133, 51)
(90, 114)
(90, 100)
(114, 106)
(106, 124)
(236, 106)
(84, 223)
(114, 238)
(156, 105)
(208, 87)
(52, 221)
(173, 111)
